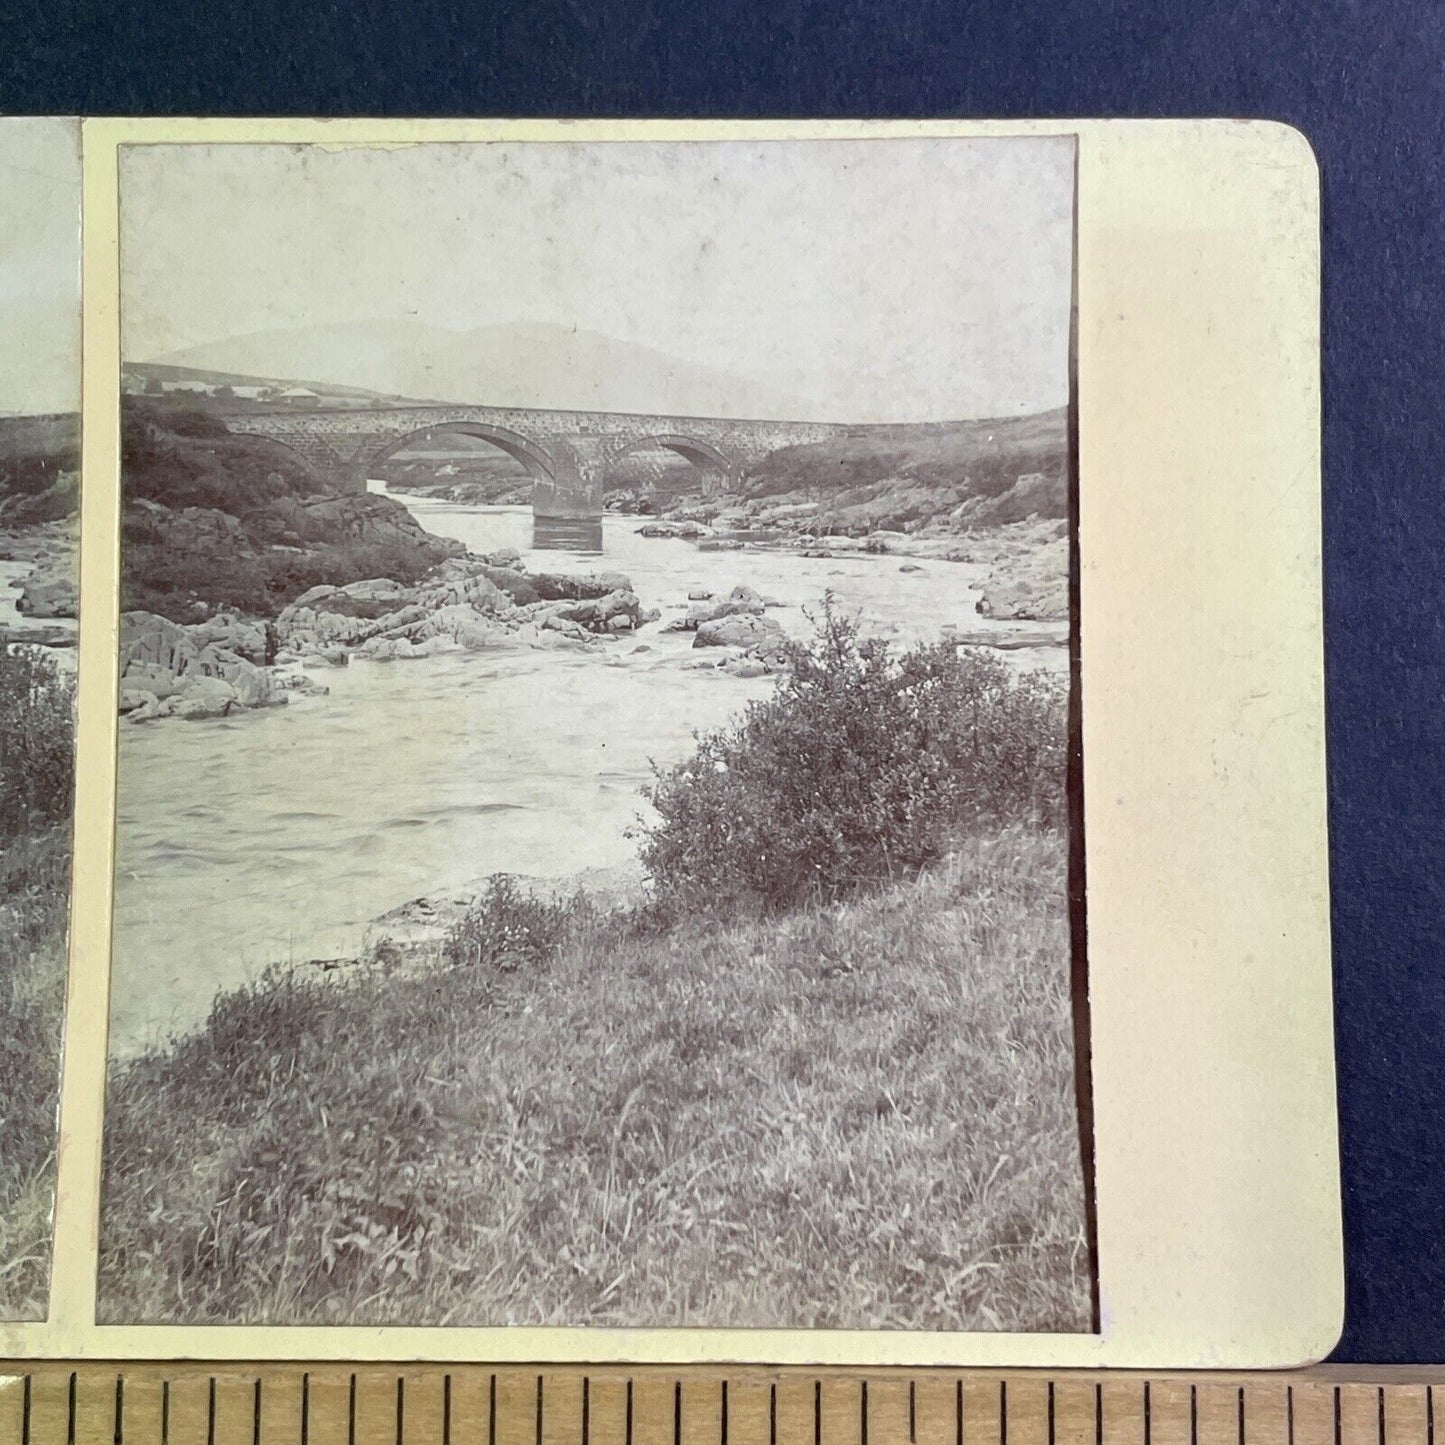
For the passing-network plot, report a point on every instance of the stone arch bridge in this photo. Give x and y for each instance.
(568, 454)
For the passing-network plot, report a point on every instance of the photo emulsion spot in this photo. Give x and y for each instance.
(39, 537)
(598, 809)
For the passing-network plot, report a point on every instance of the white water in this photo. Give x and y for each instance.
(277, 835)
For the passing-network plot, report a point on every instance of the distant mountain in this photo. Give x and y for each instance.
(514, 364)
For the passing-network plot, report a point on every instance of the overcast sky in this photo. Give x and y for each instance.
(883, 280)
(39, 265)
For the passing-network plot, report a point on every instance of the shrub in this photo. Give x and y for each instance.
(37, 741)
(507, 929)
(861, 767)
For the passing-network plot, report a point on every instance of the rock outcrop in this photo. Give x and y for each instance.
(1033, 587)
(51, 590)
(686, 529)
(210, 668)
(746, 630)
(741, 601)
(170, 670)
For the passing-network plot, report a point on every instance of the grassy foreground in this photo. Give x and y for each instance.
(36, 761)
(856, 1114)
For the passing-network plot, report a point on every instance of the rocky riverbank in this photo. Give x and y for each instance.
(1028, 579)
(39, 564)
(50, 588)
(232, 662)
(993, 492)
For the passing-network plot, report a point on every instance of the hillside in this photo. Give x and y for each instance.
(213, 521)
(159, 374)
(513, 364)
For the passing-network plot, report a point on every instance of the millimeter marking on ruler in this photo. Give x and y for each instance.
(278, 1405)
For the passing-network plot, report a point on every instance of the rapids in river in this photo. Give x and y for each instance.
(276, 835)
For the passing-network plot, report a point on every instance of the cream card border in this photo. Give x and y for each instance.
(1213, 1081)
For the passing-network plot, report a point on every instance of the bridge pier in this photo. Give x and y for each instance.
(573, 491)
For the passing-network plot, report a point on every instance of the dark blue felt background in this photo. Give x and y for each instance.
(1364, 79)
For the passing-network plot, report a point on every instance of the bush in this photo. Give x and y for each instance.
(507, 929)
(863, 766)
(37, 741)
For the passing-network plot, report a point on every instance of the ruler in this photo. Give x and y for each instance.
(158, 1404)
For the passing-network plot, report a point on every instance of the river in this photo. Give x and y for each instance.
(277, 835)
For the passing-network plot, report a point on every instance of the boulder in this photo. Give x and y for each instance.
(555, 622)
(596, 615)
(505, 557)
(477, 591)
(910, 567)
(744, 629)
(685, 528)
(133, 698)
(700, 594)
(740, 600)
(151, 641)
(286, 681)
(147, 711)
(241, 635)
(514, 582)
(372, 589)
(553, 586)
(205, 697)
(353, 519)
(1025, 600)
(252, 685)
(711, 611)
(478, 635)
(51, 590)
(150, 679)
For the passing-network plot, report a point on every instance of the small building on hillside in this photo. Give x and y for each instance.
(299, 396)
(190, 387)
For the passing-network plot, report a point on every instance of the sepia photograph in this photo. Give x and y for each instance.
(599, 783)
(39, 542)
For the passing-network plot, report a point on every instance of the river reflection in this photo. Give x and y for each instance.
(567, 534)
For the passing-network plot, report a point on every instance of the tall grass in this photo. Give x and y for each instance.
(36, 787)
(825, 1078)
(856, 1115)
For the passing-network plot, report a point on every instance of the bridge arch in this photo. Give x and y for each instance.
(320, 460)
(538, 463)
(715, 467)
